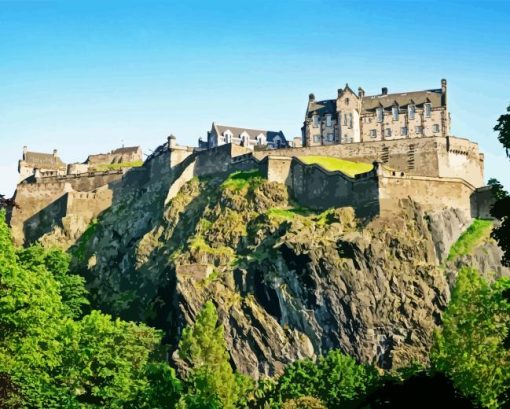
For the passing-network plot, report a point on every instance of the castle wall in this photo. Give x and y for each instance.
(89, 204)
(219, 159)
(318, 188)
(415, 156)
(430, 193)
(482, 200)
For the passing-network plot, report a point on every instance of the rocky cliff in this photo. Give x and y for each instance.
(288, 282)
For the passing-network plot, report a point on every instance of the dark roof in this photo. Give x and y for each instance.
(253, 133)
(128, 149)
(47, 160)
(327, 106)
(370, 103)
(433, 96)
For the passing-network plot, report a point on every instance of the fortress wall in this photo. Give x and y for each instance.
(461, 158)
(414, 155)
(430, 193)
(317, 188)
(215, 160)
(277, 169)
(33, 199)
(482, 200)
(89, 205)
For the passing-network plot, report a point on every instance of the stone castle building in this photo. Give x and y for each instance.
(355, 117)
(42, 162)
(249, 138)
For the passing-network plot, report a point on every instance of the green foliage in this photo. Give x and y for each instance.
(212, 382)
(78, 250)
(470, 348)
(305, 402)
(503, 129)
(335, 379)
(334, 164)
(117, 166)
(71, 286)
(474, 235)
(289, 213)
(48, 359)
(501, 211)
(237, 181)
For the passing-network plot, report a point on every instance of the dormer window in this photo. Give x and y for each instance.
(428, 110)
(394, 112)
(379, 113)
(227, 135)
(411, 111)
(315, 120)
(328, 120)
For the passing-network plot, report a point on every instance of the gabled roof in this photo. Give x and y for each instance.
(327, 106)
(253, 133)
(128, 149)
(433, 96)
(43, 160)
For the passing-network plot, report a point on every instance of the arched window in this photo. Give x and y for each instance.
(227, 136)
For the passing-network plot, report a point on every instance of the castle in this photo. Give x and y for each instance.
(434, 169)
(355, 117)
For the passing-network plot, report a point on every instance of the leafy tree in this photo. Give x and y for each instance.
(501, 211)
(305, 402)
(335, 379)
(48, 359)
(71, 286)
(503, 128)
(470, 347)
(211, 382)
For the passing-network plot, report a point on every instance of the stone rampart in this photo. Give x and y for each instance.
(428, 156)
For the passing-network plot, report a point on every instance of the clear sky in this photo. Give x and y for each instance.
(88, 76)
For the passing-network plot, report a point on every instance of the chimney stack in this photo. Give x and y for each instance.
(55, 153)
(361, 92)
(384, 91)
(443, 86)
(172, 141)
(311, 97)
(25, 150)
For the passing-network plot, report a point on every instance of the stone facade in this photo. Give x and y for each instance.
(119, 155)
(354, 117)
(248, 138)
(42, 162)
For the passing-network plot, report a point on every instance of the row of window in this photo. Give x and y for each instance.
(404, 131)
(395, 111)
(411, 112)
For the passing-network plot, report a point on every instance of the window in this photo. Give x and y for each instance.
(394, 111)
(436, 128)
(373, 133)
(315, 120)
(328, 120)
(228, 137)
(346, 118)
(418, 130)
(428, 110)
(346, 101)
(330, 137)
(387, 132)
(350, 120)
(411, 111)
(317, 138)
(379, 113)
(403, 131)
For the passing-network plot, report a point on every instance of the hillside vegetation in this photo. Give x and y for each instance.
(345, 166)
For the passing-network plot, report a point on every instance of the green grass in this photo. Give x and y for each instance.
(332, 164)
(474, 235)
(117, 166)
(289, 213)
(238, 180)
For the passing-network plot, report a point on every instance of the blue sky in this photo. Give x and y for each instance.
(87, 76)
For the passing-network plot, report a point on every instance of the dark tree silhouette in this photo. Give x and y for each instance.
(4, 203)
(503, 127)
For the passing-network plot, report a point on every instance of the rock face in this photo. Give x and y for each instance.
(288, 283)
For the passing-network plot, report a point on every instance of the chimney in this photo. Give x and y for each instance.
(311, 97)
(172, 141)
(384, 91)
(361, 92)
(443, 86)
(55, 153)
(25, 150)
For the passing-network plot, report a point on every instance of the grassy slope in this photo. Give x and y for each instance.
(332, 164)
(474, 235)
(116, 166)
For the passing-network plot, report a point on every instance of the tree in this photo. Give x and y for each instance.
(50, 359)
(470, 348)
(71, 286)
(503, 128)
(211, 382)
(335, 379)
(501, 211)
